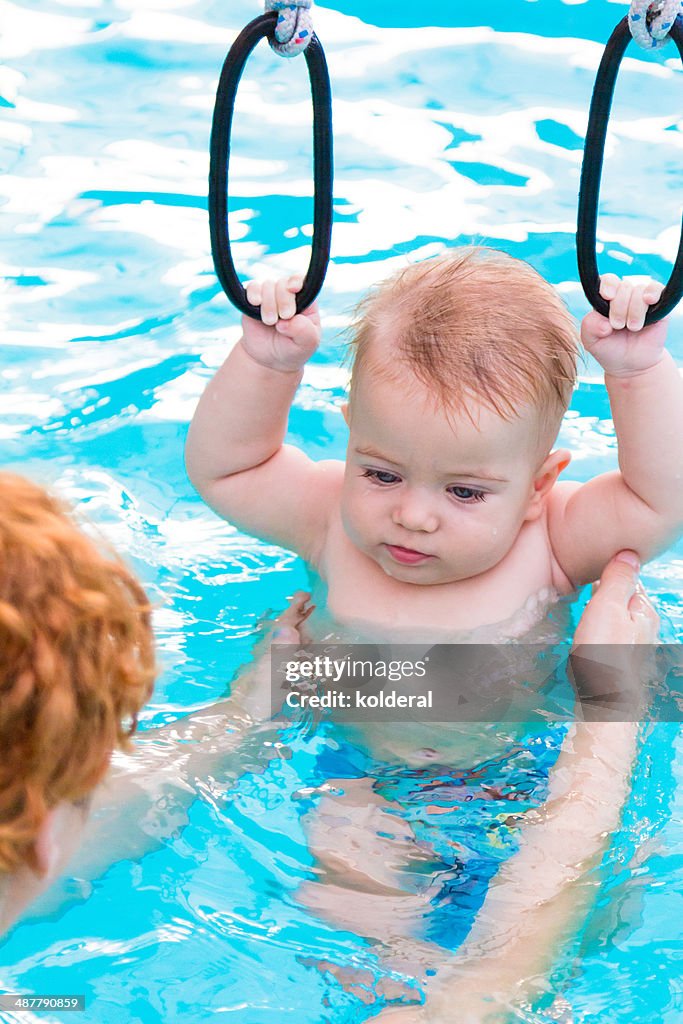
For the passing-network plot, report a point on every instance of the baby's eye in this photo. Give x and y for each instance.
(381, 476)
(467, 494)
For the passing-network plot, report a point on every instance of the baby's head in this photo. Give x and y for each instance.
(463, 368)
(76, 666)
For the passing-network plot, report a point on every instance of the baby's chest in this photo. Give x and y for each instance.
(360, 593)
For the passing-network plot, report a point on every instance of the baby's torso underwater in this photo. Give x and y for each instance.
(488, 714)
(456, 791)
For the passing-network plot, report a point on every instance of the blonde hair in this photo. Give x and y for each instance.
(76, 662)
(473, 323)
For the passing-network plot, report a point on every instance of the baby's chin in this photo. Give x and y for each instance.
(426, 574)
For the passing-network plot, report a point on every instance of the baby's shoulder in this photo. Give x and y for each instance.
(324, 494)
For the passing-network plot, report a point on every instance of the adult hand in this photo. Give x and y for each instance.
(611, 675)
(619, 611)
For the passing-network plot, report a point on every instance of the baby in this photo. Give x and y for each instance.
(448, 513)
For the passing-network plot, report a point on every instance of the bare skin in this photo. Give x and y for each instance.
(435, 523)
(366, 882)
(367, 857)
(154, 786)
(175, 757)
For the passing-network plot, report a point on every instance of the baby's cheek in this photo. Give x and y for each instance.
(491, 539)
(354, 518)
(507, 533)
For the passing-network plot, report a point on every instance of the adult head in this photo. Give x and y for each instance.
(76, 666)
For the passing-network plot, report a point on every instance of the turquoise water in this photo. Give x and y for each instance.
(469, 129)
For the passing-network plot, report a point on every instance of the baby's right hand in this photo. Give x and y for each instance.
(284, 340)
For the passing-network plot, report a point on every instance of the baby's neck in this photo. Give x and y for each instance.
(530, 623)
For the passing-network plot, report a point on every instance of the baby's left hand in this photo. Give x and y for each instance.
(622, 346)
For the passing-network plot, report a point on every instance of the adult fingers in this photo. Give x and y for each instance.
(644, 617)
(619, 579)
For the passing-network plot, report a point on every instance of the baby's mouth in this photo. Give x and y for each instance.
(406, 556)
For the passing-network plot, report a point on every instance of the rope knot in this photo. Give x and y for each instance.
(650, 22)
(294, 26)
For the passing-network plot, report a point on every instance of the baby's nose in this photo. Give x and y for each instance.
(414, 512)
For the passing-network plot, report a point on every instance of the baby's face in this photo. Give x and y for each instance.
(430, 498)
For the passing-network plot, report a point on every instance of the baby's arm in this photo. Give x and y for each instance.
(235, 456)
(640, 506)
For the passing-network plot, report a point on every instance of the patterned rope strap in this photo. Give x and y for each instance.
(650, 22)
(294, 26)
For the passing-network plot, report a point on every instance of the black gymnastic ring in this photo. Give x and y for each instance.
(220, 159)
(591, 172)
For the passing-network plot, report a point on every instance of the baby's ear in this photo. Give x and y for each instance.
(546, 478)
(555, 464)
(345, 411)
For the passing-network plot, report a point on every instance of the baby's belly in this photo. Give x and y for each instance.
(454, 745)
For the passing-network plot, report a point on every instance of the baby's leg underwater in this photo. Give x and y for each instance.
(371, 874)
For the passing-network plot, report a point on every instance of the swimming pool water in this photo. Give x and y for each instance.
(452, 124)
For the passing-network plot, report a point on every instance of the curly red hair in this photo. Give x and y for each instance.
(76, 662)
